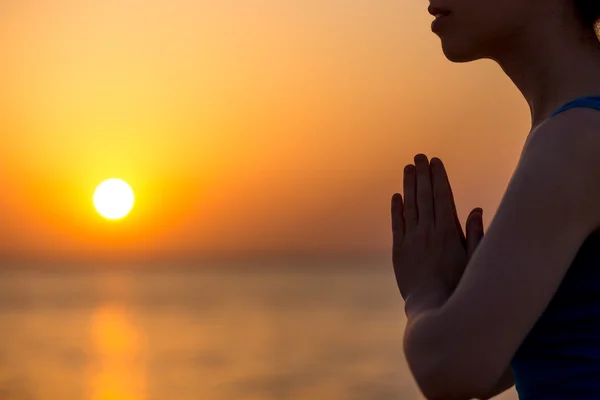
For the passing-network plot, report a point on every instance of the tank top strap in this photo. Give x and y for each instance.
(587, 102)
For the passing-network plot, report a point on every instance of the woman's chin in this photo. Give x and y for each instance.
(458, 54)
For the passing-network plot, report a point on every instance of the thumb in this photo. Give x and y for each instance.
(474, 230)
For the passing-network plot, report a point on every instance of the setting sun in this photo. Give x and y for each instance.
(113, 199)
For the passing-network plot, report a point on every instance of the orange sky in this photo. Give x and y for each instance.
(242, 125)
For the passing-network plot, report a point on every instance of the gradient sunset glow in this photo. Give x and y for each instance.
(244, 126)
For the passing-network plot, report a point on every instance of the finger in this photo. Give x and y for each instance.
(424, 190)
(397, 220)
(410, 199)
(443, 211)
(457, 220)
(474, 230)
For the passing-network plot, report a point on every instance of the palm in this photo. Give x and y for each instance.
(430, 246)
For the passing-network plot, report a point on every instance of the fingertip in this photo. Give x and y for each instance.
(438, 167)
(421, 157)
(476, 211)
(474, 217)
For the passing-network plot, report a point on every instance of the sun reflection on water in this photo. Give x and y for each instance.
(119, 370)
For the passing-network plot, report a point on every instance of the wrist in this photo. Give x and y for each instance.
(425, 298)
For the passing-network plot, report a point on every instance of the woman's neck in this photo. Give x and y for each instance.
(550, 70)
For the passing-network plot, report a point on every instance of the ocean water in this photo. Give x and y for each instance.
(163, 333)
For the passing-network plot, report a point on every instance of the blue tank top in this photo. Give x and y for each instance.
(560, 357)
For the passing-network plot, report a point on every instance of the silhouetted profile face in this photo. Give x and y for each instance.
(477, 29)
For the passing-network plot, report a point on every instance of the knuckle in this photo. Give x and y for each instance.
(447, 229)
(424, 192)
(422, 232)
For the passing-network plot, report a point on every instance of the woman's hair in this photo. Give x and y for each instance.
(589, 12)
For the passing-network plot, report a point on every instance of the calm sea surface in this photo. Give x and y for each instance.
(181, 334)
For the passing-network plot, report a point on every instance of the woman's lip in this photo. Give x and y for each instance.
(438, 22)
(436, 10)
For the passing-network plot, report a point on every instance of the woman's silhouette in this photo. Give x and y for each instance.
(524, 307)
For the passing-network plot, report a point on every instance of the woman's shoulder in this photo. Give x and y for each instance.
(576, 123)
(564, 152)
(573, 135)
